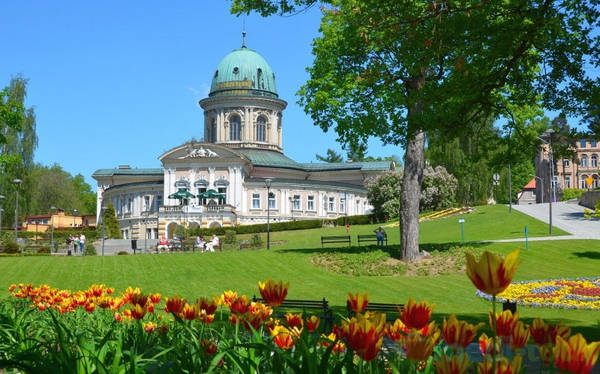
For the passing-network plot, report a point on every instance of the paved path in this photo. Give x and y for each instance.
(566, 216)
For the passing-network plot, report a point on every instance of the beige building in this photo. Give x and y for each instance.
(239, 174)
(567, 173)
(60, 220)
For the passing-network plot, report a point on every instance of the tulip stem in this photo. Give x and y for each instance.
(494, 323)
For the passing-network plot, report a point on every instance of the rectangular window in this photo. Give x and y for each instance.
(149, 234)
(296, 202)
(357, 207)
(567, 181)
(593, 143)
(582, 142)
(255, 201)
(202, 190)
(331, 204)
(272, 204)
(159, 201)
(222, 190)
(342, 205)
(310, 203)
(566, 163)
(147, 203)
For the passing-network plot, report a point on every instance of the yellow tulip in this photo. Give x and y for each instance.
(492, 274)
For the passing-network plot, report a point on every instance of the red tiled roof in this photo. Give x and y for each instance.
(530, 185)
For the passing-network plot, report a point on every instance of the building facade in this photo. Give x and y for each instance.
(570, 173)
(238, 174)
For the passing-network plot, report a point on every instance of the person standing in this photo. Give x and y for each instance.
(75, 243)
(380, 235)
(81, 242)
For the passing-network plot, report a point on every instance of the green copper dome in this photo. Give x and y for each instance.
(243, 72)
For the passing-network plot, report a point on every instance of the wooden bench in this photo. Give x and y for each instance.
(381, 308)
(335, 239)
(321, 305)
(371, 239)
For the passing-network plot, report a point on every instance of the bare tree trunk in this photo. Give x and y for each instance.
(414, 159)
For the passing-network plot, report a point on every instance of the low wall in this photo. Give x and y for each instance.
(588, 199)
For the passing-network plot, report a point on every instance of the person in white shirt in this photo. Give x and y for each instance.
(214, 242)
(81, 242)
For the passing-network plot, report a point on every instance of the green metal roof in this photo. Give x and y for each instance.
(243, 72)
(260, 157)
(308, 183)
(111, 172)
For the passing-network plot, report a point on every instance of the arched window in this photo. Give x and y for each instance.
(584, 161)
(595, 183)
(212, 131)
(261, 129)
(594, 161)
(235, 127)
(261, 84)
(583, 182)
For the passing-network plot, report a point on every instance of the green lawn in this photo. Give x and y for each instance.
(193, 274)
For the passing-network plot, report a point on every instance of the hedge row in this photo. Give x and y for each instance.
(289, 225)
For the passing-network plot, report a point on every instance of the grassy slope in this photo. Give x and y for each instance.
(193, 275)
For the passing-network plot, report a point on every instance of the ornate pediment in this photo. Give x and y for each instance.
(199, 152)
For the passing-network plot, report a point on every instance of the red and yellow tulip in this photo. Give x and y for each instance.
(492, 274)
(457, 364)
(174, 305)
(575, 355)
(312, 323)
(416, 315)
(459, 333)
(418, 347)
(364, 334)
(505, 322)
(273, 293)
(519, 336)
(358, 302)
(294, 320)
(284, 337)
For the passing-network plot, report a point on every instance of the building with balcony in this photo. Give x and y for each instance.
(239, 174)
(570, 173)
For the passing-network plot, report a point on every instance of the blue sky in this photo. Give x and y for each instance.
(117, 82)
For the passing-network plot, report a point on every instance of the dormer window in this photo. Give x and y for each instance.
(236, 70)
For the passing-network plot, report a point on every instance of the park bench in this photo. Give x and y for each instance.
(335, 239)
(388, 309)
(298, 304)
(371, 239)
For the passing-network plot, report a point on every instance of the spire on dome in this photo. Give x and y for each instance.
(244, 39)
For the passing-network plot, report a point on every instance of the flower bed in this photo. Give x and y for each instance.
(580, 293)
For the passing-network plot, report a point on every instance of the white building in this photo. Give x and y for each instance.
(223, 180)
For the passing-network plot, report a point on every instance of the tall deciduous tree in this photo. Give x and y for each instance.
(18, 141)
(397, 69)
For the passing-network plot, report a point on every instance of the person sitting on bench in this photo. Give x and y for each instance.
(214, 242)
(200, 243)
(163, 244)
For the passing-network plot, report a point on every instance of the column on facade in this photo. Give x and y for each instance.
(231, 191)
(239, 187)
(211, 177)
(322, 202)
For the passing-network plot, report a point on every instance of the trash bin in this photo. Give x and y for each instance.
(133, 243)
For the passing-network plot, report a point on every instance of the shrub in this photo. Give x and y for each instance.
(123, 253)
(230, 237)
(43, 249)
(89, 249)
(11, 246)
(571, 193)
(256, 241)
(438, 190)
(587, 213)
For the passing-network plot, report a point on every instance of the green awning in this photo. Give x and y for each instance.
(211, 194)
(181, 193)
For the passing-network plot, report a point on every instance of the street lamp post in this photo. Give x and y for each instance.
(268, 185)
(17, 183)
(541, 187)
(74, 215)
(548, 134)
(103, 228)
(52, 208)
